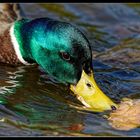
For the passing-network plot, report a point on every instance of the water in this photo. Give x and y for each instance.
(32, 104)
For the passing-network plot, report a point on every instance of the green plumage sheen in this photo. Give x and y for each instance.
(47, 42)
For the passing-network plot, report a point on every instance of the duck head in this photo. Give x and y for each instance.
(63, 52)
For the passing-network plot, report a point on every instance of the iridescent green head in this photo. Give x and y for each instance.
(58, 47)
(64, 53)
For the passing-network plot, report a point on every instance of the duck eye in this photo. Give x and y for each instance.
(65, 55)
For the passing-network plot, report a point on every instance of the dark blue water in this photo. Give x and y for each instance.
(31, 104)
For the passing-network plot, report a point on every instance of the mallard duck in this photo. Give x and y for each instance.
(58, 47)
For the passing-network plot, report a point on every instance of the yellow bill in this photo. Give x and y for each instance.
(90, 95)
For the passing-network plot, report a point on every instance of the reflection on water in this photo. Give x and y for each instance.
(32, 104)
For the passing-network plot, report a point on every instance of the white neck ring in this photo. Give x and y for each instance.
(16, 46)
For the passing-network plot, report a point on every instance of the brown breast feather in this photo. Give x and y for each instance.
(7, 52)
